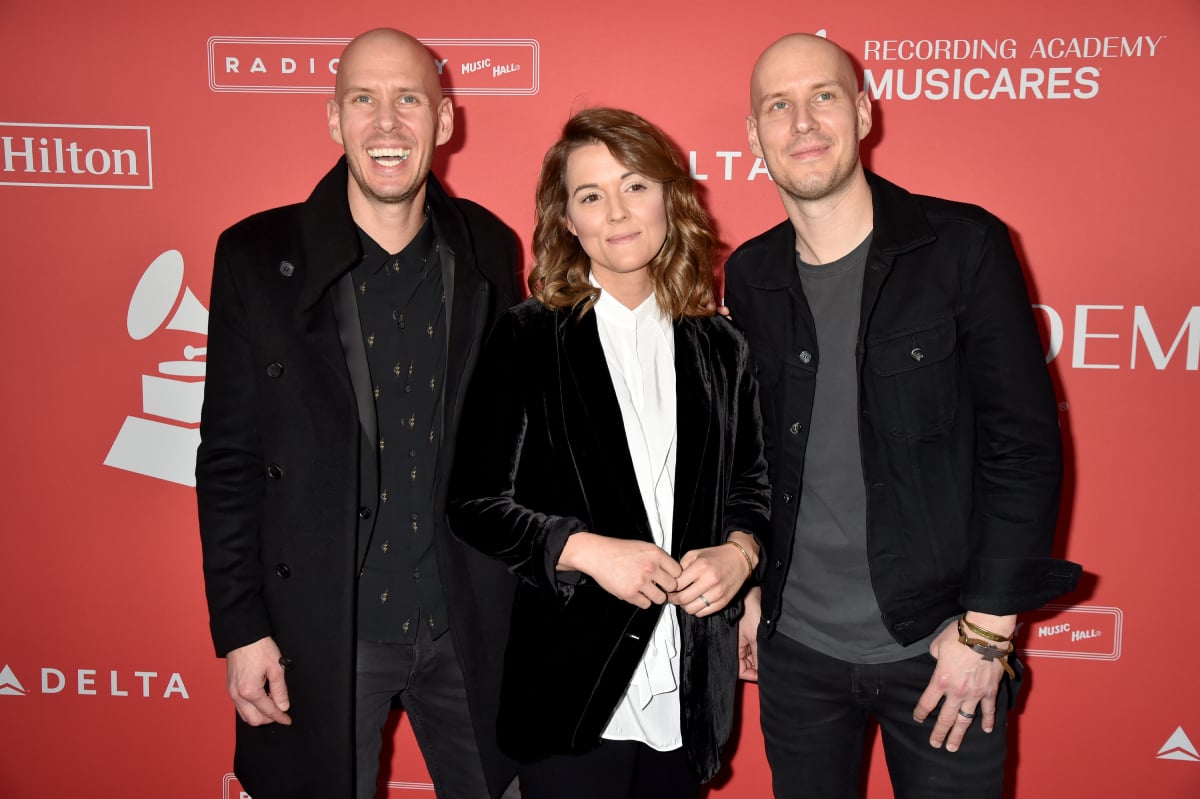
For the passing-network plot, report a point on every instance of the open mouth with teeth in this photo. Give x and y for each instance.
(389, 156)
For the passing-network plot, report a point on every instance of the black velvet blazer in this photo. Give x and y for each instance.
(541, 455)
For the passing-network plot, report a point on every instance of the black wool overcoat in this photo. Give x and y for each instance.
(287, 402)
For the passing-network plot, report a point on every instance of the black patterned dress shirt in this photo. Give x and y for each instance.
(402, 311)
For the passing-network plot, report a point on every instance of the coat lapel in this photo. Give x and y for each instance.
(694, 433)
(466, 318)
(468, 294)
(595, 429)
(331, 249)
(345, 310)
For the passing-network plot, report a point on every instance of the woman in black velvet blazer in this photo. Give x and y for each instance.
(544, 479)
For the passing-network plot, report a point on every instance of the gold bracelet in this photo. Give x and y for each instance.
(745, 554)
(988, 634)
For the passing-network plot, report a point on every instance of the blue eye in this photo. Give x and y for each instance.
(779, 105)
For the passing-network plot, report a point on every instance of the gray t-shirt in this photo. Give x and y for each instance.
(828, 602)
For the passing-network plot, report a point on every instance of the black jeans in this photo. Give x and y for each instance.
(614, 770)
(426, 679)
(814, 712)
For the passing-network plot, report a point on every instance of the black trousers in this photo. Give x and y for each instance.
(814, 712)
(614, 770)
(426, 679)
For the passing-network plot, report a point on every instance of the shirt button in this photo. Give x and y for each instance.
(787, 498)
(412, 453)
(795, 428)
(274, 471)
(917, 354)
(779, 564)
(364, 513)
(283, 571)
(805, 356)
(286, 269)
(274, 369)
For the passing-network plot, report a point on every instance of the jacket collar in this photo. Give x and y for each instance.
(900, 224)
(899, 227)
(330, 237)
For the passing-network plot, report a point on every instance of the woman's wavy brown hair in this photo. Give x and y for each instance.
(681, 272)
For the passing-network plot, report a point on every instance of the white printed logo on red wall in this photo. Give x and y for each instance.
(1033, 68)
(75, 156)
(1125, 337)
(9, 684)
(117, 683)
(1178, 747)
(161, 441)
(284, 65)
(1072, 631)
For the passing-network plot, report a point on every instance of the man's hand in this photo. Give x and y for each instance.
(256, 683)
(636, 571)
(964, 682)
(748, 636)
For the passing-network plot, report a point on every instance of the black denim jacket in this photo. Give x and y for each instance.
(961, 449)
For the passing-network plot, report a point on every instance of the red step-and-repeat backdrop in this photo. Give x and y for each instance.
(133, 131)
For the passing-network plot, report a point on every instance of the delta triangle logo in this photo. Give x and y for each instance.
(11, 686)
(1178, 747)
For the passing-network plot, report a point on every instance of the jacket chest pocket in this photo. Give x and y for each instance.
(767, 367)
(912, 380)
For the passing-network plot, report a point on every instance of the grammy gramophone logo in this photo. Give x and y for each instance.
(161, 442)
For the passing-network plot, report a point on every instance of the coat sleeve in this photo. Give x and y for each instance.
(229, 471)
(1018, 445)
(494, 434)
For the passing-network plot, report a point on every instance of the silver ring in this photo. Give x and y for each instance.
(704, 599)
(967, 716)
